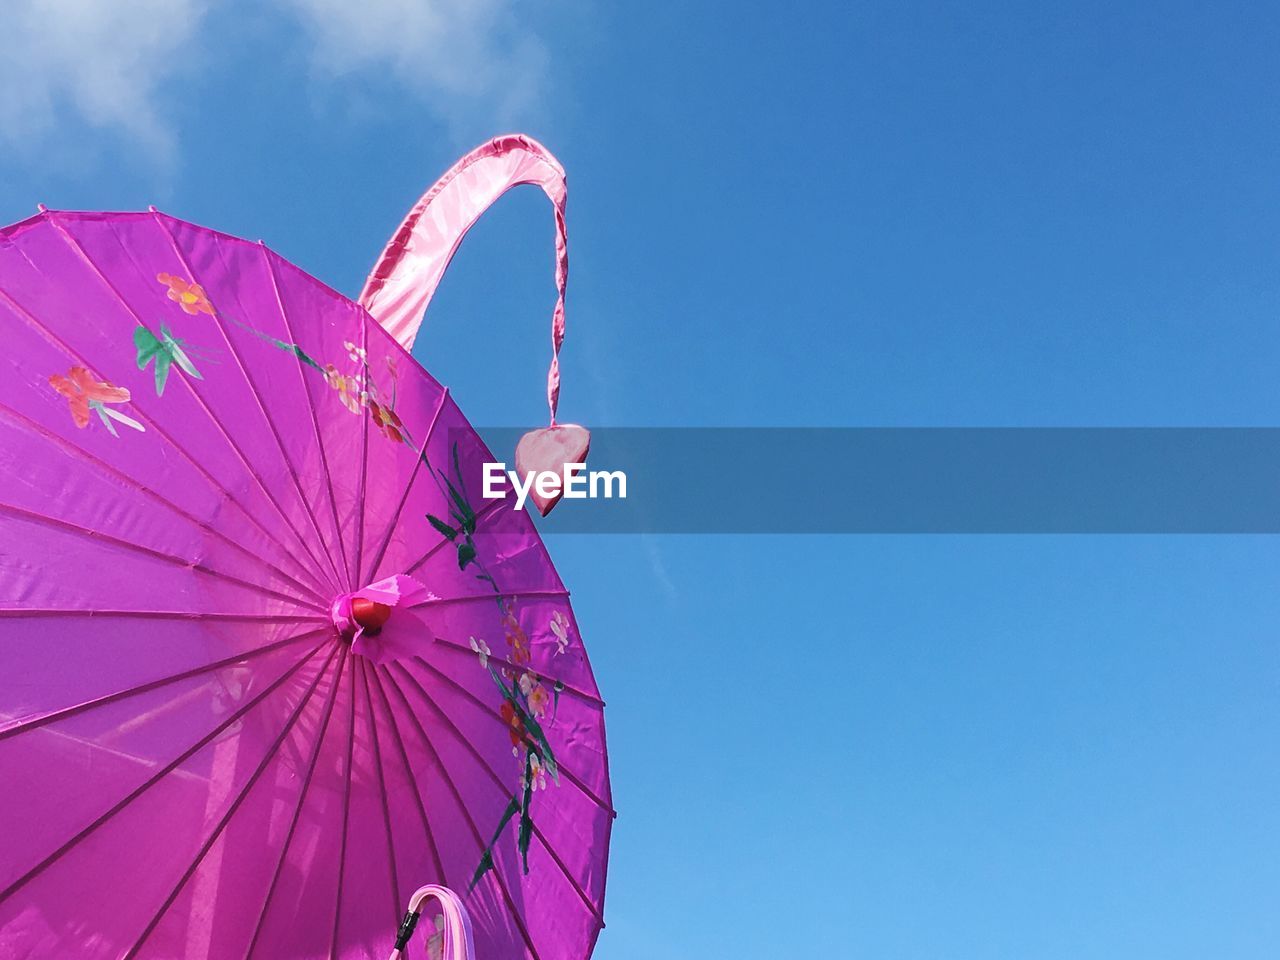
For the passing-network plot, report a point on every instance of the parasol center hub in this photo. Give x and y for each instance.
(353, 615)
(370, 614)
(375, 618)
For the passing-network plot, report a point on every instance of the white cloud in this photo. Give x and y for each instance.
(113, 65)
(471, 61)
(103, 60)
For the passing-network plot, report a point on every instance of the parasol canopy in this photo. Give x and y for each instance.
(268, 662)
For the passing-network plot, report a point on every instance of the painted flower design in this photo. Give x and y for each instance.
(528, 706)
(348, 387)
(387, 421)
(539, 700)
(356, 354)
(536, 777)
(514, 723)
(517, 639)
(189, 296)
(560, 627)
(84, 393)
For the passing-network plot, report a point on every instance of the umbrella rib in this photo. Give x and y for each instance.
(490, 712)
(582, 894)
(503, 789)
(172, 559)
(328, 548)
(129, 481)
(311, 409)
(195, 395)
(297, 810)
(54, 716)
(364, 464)
(483, 514)
(200, 468)
(413, 781)
(475, 831)
(393, 871)
(413, 475)
(459, 648)
(231, 810)
(154, 778)
(491, 597)
(253, 387)
(346, 823)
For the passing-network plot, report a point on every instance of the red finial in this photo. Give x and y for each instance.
(370, 614)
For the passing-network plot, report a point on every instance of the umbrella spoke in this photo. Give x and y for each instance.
(54, 716)
(393, 871)
(468, 652)
(253, 389)
(195, 395)
(482, 514)
(231, 810)
(505, 791)
(491, 597)
(195, 463)
(169, 558)
(585, 897)
(466, 813)
(311, 409)
(488, 711)
(346, 822)
(404, 498)
(297, 810)
(125, 479)
(364, 466)
(408, 770)
(155, 778)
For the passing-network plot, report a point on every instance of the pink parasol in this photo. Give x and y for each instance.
(268, 663)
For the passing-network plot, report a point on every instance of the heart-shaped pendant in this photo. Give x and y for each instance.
(548, 451)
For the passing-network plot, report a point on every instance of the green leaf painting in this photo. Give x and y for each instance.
(165, 350)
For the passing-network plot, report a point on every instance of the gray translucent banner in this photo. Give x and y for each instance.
(926, 480)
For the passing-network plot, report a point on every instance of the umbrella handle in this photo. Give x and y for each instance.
(458, 943)
(406, 275)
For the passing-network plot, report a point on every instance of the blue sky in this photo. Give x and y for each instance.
(823, 214)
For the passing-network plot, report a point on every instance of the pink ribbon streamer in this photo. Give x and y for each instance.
(405, 277)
